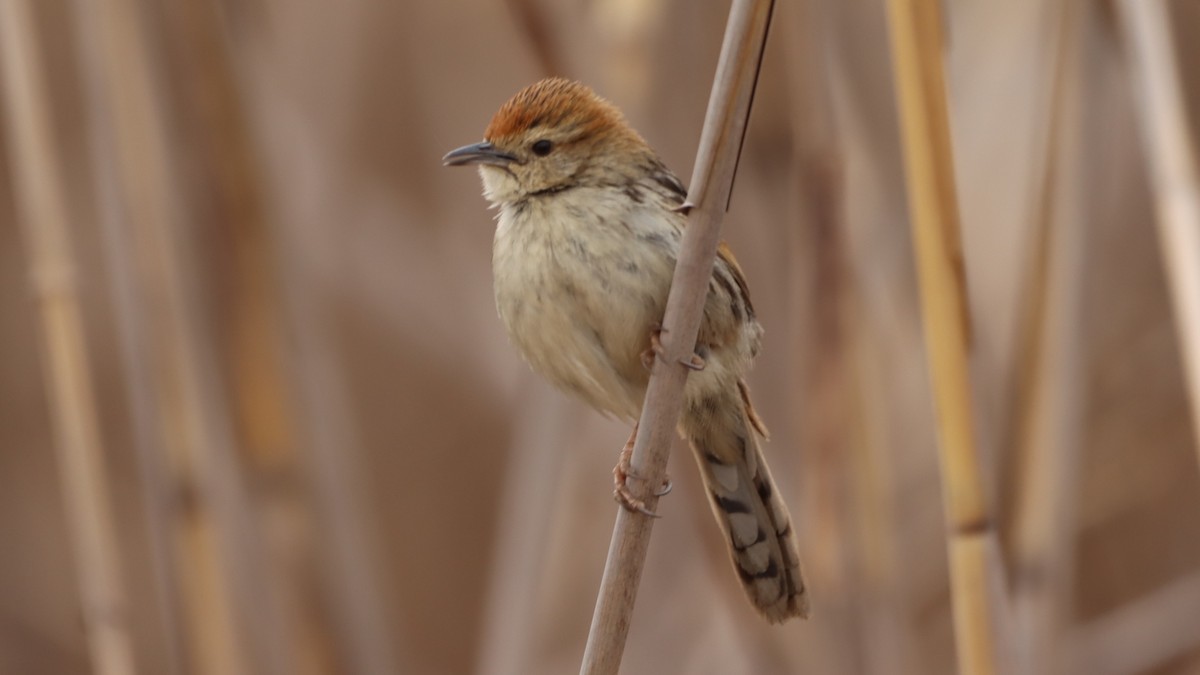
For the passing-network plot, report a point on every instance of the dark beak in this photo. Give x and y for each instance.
(478, 153)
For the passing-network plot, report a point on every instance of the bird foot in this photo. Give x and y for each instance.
(695, 363)
(622, 472)
(655, 351)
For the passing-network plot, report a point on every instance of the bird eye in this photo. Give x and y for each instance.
(542, 148)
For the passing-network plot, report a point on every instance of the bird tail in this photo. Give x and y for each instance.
(721, 429)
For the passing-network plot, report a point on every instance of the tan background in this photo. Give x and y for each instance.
(408, 498)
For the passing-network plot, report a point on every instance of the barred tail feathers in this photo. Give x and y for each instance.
(721, 430)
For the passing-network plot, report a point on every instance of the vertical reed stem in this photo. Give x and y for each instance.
(41, 197)
(234, 622)
(1048, 408)
(1169, 145)
(976, 577)
(712, 180)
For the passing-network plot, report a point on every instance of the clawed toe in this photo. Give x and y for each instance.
(648, 359)
(621, 492)
(622, 472)
(666, 488)
(625, 498)
(655, 351)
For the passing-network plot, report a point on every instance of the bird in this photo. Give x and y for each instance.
(589, 227)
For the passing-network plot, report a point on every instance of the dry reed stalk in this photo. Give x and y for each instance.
(1141, 637)
(886, 644)
(234, 215)
(1170, 154)
(876, 588)
(352, 564)
(158, 499)
(41, 198)
(201, 640)
(232, 620)
(1048, 407)
(43, 214)
(976, 573)
(537, 26)
(711, 184)
(847, 528)
(825, 395)
(355, 584)
(524, 525)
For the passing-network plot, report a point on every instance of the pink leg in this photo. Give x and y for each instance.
(655, 351)
(623, 471)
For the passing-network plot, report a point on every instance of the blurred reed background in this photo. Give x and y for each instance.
(257, 414)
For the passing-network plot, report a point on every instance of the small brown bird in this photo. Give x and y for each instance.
(589, 231)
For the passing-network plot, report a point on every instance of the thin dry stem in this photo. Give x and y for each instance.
(334, 452)
(158, 499)
(358, 584)
(1162, 116)
(847, 524)
(1048, 414)
(976, 576)
(523, 530)
(712, 180)
(41, 198)
(218, 551)
(234, 213)
(533, 19)
(205, 638)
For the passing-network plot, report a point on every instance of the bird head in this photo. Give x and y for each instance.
(551, 136)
